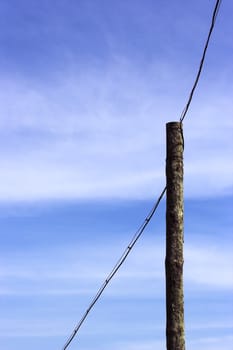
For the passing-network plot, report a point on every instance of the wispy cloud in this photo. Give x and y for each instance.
(209, 267)
(211, 343)
(102, 134)
(81, 271)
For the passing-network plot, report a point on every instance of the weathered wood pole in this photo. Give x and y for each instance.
(174, 238)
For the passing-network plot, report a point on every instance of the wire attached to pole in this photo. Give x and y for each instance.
(149, 216)
(215, 13)
(115, 268)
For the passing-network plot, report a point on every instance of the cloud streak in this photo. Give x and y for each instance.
(77, 272)
(102, 134)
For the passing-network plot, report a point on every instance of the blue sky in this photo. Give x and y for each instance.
(86, 88)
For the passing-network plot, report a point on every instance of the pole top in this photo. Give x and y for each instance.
(173, 124)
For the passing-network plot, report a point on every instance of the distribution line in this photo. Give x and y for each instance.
(116, 268)
(215, 13)
(149, 216)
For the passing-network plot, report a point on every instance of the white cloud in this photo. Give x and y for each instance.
(82, 271)
(209, 266)
(101, 133)
(211, 343)
(62, 281)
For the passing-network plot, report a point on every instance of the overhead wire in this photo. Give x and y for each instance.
(214, 16)
(116, 268)
(141, 229)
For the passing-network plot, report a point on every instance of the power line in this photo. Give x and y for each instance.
(115, 268)
(151, 213)
(215, 13)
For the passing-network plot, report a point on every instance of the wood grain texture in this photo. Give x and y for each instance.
(174, 238)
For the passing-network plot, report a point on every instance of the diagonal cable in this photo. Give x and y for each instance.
(151, 213)
(115, 268)
(214, 16)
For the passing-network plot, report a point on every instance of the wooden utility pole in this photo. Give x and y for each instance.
(174, 238)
